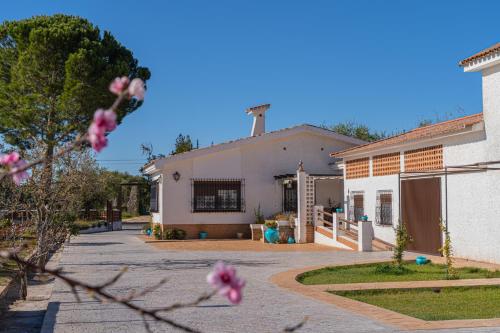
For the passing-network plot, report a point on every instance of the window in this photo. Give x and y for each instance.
(217, 195)
(356, 205)
(384, 208)
(154, 207)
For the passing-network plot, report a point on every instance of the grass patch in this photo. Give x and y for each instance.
(387, 273)
(434, 304)
(8, 268)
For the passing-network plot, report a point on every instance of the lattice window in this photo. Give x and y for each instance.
(428, 158)
(358, 168)
(309, 199)
(387, 164)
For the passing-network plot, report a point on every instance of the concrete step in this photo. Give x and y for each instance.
(349, 242)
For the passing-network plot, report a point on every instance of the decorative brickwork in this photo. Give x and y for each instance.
(359, 168)
(423, 159)
(387, 164)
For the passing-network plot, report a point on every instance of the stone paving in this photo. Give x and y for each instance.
(266, 307)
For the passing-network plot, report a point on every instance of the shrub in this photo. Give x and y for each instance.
(391, 269)
(168, 234)
(157, 231)
(259, 217)
(402, 240)
(447, 252)
(179, 234)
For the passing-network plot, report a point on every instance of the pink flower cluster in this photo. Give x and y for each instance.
(14, 163)
(224, 279)
(134, 88)
(104, 121)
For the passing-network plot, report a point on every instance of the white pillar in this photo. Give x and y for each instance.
(365, 236)
(317, 215)
(300, 227)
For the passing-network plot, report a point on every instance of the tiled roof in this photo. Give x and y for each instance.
(425, 132)
(485, 52)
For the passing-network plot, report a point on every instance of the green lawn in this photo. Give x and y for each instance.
(383, 273)
(425, 303)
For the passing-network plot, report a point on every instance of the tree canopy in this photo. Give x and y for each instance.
(358, 131)
(54, 73)
(183, 144)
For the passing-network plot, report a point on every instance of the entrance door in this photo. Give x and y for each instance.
(421, 212)
(359, 207)
(290, 196)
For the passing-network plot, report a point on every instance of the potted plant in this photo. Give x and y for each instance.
(203, 235)
(256, 228)
(271, 234)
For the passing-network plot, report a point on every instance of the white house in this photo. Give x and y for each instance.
(217, 189)
(447, 172)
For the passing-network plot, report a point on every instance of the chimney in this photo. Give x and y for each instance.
(259, 119)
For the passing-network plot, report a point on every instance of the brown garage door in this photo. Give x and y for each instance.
(421, 211)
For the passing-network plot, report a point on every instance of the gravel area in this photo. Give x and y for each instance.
(266, 307)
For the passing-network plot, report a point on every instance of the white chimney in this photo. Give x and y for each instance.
(259, 118)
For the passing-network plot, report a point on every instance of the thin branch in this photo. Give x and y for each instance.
(98, 293)
(296, 327)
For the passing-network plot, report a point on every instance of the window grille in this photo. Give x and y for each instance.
(356, 205)
(383, 214)
(217, 195)
(386, 164)
(423, 159)
(359, 168)
(153, 202)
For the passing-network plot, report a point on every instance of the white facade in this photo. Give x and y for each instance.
(256, 160)
(470, 201)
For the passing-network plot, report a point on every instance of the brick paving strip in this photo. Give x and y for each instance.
(287, 281)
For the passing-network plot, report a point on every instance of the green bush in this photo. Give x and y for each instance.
(157, 231)
(168, 234)
(179, 234)
(391, 269)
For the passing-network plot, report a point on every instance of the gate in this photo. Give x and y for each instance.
(421, 212)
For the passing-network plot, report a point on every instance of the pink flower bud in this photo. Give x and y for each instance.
(118, 85)
(9, 159)
(223, 278)
(136, 89)
(19, 176)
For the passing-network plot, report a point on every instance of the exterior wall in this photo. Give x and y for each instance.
(329, 190)
(472, 198)
(257, 164)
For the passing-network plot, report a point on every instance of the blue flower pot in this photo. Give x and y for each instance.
(203, 234)
(338, 210)
(421, 260)
(291, 240)
(364, 218)
(148, 232)
(272, 235)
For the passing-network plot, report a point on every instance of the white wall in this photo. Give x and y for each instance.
(257, 164)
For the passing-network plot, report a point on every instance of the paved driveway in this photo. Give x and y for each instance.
(266, 308)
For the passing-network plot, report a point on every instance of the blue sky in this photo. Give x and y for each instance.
(387, 64)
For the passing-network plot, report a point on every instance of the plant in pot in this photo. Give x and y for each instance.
(271, 234)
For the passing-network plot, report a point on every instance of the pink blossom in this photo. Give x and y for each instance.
(9, 159)
(118, 85)
(104, 121)
(14, 162)
(97, 137)
(224, 279)
(19, 176)
(136, 89)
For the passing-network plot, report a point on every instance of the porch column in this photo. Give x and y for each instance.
(300, 227)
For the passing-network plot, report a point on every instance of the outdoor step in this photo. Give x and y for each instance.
(325, 231)
(353, 244)
(380, 245)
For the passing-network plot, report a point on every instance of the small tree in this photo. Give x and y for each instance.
(447, 252)
(402, 240)
(183, 144)
(357, 131)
